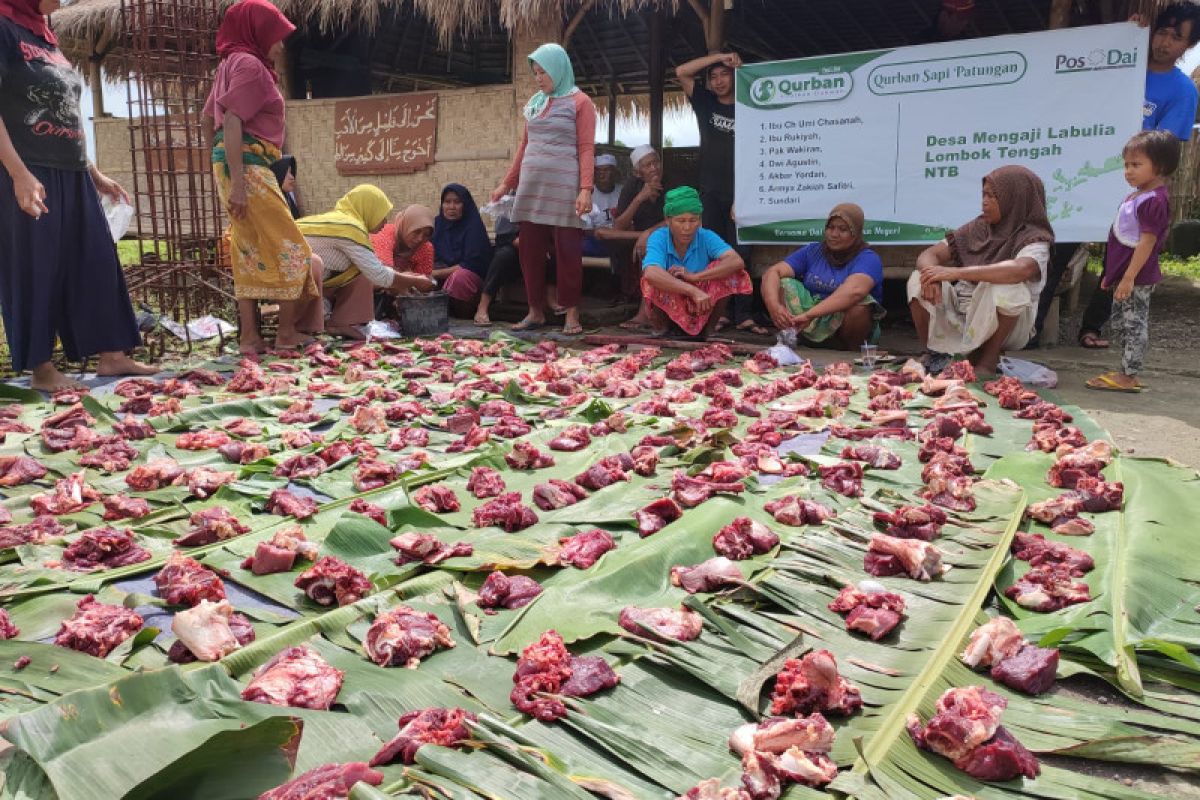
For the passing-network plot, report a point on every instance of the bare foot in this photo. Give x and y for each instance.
(118, 363)
(346, 332)
(291, 340)
(47, 378)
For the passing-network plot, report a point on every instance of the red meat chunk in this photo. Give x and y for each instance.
(286, 504)
(211, 525)
(571, 439)
(913, 522)
(874, 455)
(542, 670)
(812, 683)
(1098, 495)
(692, 491)
(19, 470)
(584, 549)
(239, 624)
(505, 511)
(504, 591)
(657, 515)
(510, 427)
(427, 548)
(301, 466)
(35, 532)
(97, 628)
(589, 674)
(297, 677)
(708, 576)
(133, 428)
(203, 482)
(844, 478)
(185, 581)
(1048, 588)
(371, 473)
(71, 494)
(1001, 758)
(202, 440)
(889, 555)
(744, 538)
(556, 493)
(486, 482)
(103, 548)
(444, 727)
(645, 460)
(377, 513)
(332, 580)
(326, 782)
(119, 506)
(797, 511)
(436, 499)
(1038, 550)
(402, 637)
(681, 624)
(874, 613)
(1032, 670)
(525, 456)
(605, 472)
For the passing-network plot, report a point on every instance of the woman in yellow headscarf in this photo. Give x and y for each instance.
(352, 271)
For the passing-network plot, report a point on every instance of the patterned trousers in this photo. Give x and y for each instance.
(1132, 318)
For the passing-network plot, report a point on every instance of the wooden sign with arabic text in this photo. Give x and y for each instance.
(385, 135)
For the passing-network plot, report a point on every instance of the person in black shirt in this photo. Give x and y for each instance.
(713, 103)
(59, 273)
(951, 23)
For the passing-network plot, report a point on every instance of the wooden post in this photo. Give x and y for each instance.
(657, 79)
(612, 111)
(715, 35)
(1060, 14)
(96, 85)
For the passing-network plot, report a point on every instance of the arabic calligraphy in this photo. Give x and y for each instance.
(386, 134)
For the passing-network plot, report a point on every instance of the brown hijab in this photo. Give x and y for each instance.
(1023, 220)
(411, 219)
(854, 218)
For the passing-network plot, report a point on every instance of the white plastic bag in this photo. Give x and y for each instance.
(500, 208)
(782, 350)
(119, 214)
(1028, 373)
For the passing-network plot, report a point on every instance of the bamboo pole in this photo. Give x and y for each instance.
(96, 85)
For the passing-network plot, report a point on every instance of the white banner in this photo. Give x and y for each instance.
(908, 134)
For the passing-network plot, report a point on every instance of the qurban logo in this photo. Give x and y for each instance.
(806, 87)
(1112, 58)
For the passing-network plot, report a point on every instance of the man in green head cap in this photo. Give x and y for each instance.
(689, 272)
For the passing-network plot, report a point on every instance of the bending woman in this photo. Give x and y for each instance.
(976, 291)
(830, 290)
(553, 174)
(689, 272)
(59, 273)
(461, 249)
(351, 270)
(270, 259)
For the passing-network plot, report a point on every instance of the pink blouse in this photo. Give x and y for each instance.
(244, 86)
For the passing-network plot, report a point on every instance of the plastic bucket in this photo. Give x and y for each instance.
(424, 314)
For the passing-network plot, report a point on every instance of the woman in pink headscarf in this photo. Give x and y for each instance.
(270, 258)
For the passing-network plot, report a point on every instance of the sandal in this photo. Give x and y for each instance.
(1108, 383)
(485, 322)
(529, 325)
(721, 325)
(1092, 341)
(635, 324)
(750, 326)
(572, 330)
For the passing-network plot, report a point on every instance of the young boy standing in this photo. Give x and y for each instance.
(1131, 268)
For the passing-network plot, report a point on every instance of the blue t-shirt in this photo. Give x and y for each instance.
(705, 248)
(1170, 103)
(822, 279)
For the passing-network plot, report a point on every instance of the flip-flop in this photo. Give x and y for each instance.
(528, 325)
(1106, 383)
(1093, 342)
(634, 325)
(721, 325)
(750, 326)
(482, 323)
(572, 330)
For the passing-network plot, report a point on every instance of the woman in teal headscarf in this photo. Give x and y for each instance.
(552, 175)
(689, 272)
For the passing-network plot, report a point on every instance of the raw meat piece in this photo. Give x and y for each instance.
(589, 674)
(205, 631)
(711, 789)
(296, 677)
(857, 434)
(444, 727)
(992, 642)
(103, 548)
(708, 576)
(497, 409)
(202, 482)
(71, 494)
(133, 387)
(584, 549)
(869, 608)
(371, 473)
(1049, 436)
(690, 492)
(505, 511)
(571, 439)
(657, 515)
(556, 493)
(1001, 758)
(724, 472)
(1073, 526)
(242, 630)
(542, 670)
(486, 482)
(1073, 465)
(97, 628)
(286, 504)
(436, 499)
(7, 629)
(462, 421)
(1031, 670)
(888, 555)
(405, 411)
(1045, 411)
(243, 453)
(294, 440)
(377, 513)
(242, 428)
(19, 470)
(111, 455)
(500, 590)
(185, 581)
(877, 457)
(202, 440)
(743, 538)
(682, 624)
(407, 437)
(326, 782)
(301, 466)
(777, 735)
(760, 778)
(965, 718)
(645, 460)
(525, 456)
(1098, 495)
(844, 478)
(605, 472)
(211, 525)
(1038, 550)
(133, 428)
(370, 419)
(796, 511)
(1048, 588)
(1004, 383)
(945, 485)
(959, 371)
(931, 447)
(812, 683)
(280, 552)
(36, 532)
(511, 428)
(119, 506)
(805, 767)
(332, 580)
(913, 522)
(470, 440)
(1056, 509)
(76, 416)
(402, 637)
(942, 427)
(427, 548)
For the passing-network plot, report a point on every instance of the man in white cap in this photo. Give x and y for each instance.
(639, 211)
(604, 202)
